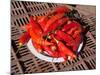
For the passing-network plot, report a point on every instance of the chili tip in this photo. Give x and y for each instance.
(40, 51)
(53, 48)
(69, 58)
(20, 45)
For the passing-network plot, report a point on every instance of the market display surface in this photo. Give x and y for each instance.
(48, 37)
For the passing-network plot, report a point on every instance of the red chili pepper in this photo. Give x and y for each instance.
(56, 24)
(53, 19)
(66, 37)
(71, 25)
(64, 49)
(36, 26)
(38, 39)
(77, 42)
(42, 21)
(62, 9)
(37, 46)
(24, 38)
(34, 36)
(49, 51)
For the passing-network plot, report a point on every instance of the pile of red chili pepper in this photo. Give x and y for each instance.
(55, 34)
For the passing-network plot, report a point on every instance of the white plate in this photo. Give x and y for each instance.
(44, 57)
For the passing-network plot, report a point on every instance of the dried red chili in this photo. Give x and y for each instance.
(62, 9)
(64, 49)
(36, 26)
(77, 42)
(56, 24)
(37, 38)
(50, 51)
(71, 25)
(24, 38)
(53, 19)
(42, 21)
(66, 37)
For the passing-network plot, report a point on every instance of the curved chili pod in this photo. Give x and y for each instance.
(62, 9)
(34, 36)
(64, 49)
(36, 26)
(66, 37)
(42, 21)
(53, 26)
(53, 19)
(24, 38)
(49, 51)
(77, 42)
(71, 25)
(38, 39)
